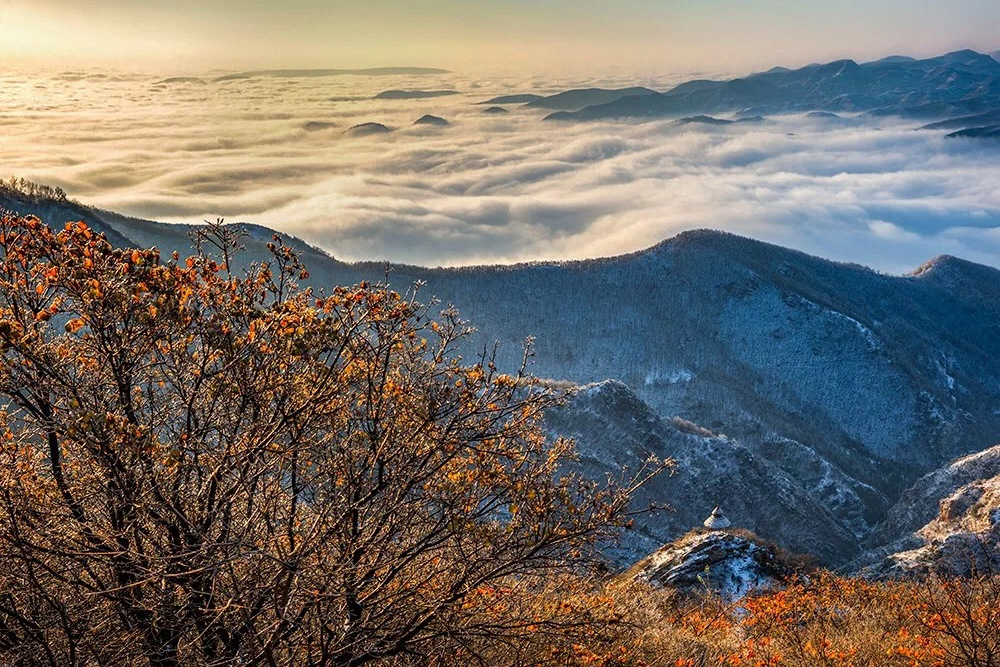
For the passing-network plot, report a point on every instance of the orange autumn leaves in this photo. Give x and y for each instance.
(210, 466)
(825, 620)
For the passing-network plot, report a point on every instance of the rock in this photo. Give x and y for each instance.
(731, 564)
(961, 506)
(922, 502)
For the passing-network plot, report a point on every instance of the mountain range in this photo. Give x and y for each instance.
(803, 395)
(958, 83)
(585, 97)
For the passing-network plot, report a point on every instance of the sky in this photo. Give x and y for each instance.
(536, 35)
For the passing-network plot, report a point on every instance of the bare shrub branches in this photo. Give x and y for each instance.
(205, 468)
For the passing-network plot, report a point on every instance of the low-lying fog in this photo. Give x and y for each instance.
(491, 188)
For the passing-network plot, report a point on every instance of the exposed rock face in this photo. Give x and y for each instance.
(924, 501)
(961, 507)
(730, 564)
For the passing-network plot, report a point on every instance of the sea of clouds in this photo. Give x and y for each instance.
(490, 189)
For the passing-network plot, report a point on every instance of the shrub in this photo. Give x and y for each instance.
(205, 467)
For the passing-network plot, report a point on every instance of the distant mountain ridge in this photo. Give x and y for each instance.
(517, 98)
(836, 387)
(414, 94)
(961, 82)
(585, 97)
(306, 73)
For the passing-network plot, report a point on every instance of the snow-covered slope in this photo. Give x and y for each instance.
(922, 502)
(613, 429)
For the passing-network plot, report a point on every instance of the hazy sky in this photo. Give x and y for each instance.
(532, 35)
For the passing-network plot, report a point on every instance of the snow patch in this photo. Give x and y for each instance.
(871, 339)
(654, 378)
(943, 370)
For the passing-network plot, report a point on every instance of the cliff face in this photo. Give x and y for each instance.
(948, 522)
(923, 502)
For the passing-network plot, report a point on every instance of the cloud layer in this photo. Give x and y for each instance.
(494, 188)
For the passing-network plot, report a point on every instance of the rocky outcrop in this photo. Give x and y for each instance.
(730, 564)
(959, 507)
(922, 503)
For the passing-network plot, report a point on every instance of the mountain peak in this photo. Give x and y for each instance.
(951, 266)
(701, 237)
(967, 57)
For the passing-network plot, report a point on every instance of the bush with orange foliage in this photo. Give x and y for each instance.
(209, 467)
(826, 620)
